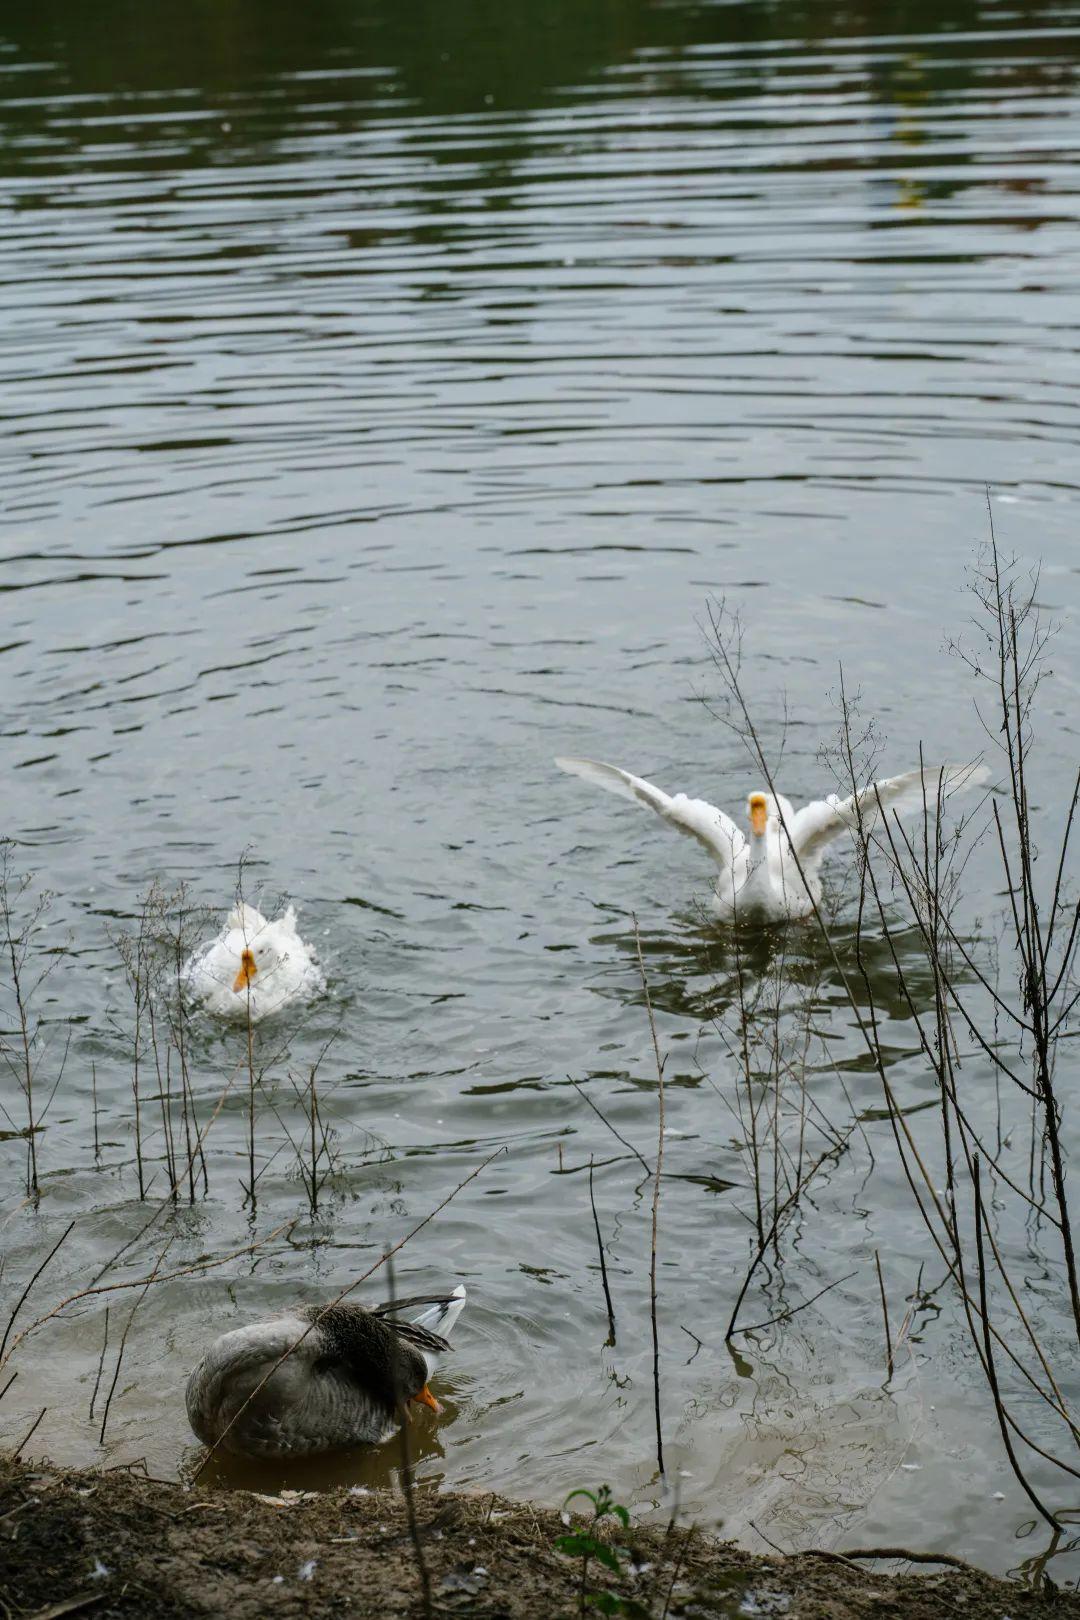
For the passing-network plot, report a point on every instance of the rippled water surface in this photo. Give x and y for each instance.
(386, 391)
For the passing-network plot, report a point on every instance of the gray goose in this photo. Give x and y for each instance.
(349, 1380)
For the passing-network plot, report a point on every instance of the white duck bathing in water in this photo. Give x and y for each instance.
(772, 873)
(318, 1379)
(253, 963)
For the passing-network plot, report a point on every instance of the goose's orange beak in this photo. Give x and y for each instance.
(247, 972)
(426, 1398)
(759, 814)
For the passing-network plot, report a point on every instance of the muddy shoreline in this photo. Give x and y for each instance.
(118, 1544)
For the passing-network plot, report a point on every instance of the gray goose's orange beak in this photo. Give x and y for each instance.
(247, 972)
(426, 1398)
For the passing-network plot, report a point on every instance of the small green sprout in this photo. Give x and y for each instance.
(584, 1544)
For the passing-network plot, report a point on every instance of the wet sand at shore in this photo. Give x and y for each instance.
(119, 1544)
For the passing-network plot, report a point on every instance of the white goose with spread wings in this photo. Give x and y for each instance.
(773, 871)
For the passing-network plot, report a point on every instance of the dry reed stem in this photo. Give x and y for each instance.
(164, 1092)
(250, 1190)
(610, 1340)
(1036, 1346)
(775, 1545)
(655, 1203)
(110, 1287)
(1015, 706)
(26, 1437)
(790, 1311)
(823, 1552)
(319, 1149)
(789, 1203)
(885, 1316)
(407, 1489)
(991, 1370)
(100, 1367)
(629, 1146)
(196, 1269)
(675, 1572)
(940, 1057)
(947, 1248)
(178, 1020)
(130, 1242)
(124, 1337)
(93, 1092)
(66, 1606)
(20, 1302)
(17, 943)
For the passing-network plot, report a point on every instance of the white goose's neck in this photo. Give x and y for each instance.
(758, 846)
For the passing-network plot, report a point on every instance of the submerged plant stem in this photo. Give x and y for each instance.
(603, 1262)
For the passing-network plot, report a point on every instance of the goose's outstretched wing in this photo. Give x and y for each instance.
(815, 826)
(696, 817)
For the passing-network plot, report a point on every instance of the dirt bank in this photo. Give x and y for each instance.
(117, 1544)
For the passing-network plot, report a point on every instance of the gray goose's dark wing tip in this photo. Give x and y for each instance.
(393, 1305)
(421, 1337)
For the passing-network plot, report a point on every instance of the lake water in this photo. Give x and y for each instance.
(387, 390)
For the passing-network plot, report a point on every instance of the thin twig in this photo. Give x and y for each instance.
(26, 1437)
(786, 1315)
(196, 1269)
(768, 1541)
(610, 1340)
(93, 1089)
(584, 1095)
(100, 1366)
(655, 1203)
(699, 1342)
(991, 1372)
(675, 1572)
(20, 1302)
(123, 1339)
(792, 1198)
(407, 1484)
(885, 1314)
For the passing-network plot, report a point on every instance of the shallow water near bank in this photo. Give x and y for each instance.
(385, 400)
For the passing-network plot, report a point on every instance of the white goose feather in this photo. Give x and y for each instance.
(253, 962)
(773, 871)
